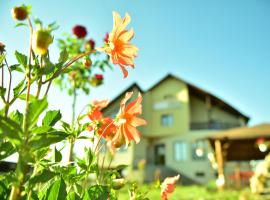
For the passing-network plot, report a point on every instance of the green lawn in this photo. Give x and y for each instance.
(195, 193)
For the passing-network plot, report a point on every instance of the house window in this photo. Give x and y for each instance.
(180, 151)
(199, 150)
(167, 120)
(168, 96)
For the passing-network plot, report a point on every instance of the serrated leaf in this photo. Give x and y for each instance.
(21, 58)
(10, 129)
(48, 68)
(51, 117)
(43, 140)
(63, 56)
(16, 67)
(3, 93)
(57, 191)
(73, 196)
(18, 89)
(42, 177)
(36, 107)
(97, 192)
(41, 129)
(17, 117)
(7, 149)
(57, 155)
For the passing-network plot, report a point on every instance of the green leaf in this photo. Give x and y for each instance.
(36, 107)
(10, 129)
(7, 149)
(16, 67)
(57, 155)
(57, 191)
(3, 93)
(21, 58)
(42, 177)
(31, 97)
(97, 192)
(2, 58)
(46, 139)
(73, 196)
(48, 68)
(18, 89)
(20, 24)
(63, 56)
(120, 167)
(41, 129)
(53, 26)
(51, 117)
(17, 117)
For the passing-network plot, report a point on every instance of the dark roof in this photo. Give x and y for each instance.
(192, 89)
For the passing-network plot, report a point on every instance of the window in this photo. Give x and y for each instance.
(180, 151)
(199, 150)
(168, 96)
(167, 120)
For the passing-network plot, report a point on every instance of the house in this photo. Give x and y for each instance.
(179, 115)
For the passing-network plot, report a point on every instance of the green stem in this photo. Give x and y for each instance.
(22, 166)
(71, 141)
(9, 88)
(40, 80)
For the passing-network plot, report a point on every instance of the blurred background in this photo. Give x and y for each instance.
(220, 46)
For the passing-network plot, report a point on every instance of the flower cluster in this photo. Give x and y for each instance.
(122, 129)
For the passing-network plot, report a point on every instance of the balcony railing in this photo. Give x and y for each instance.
(212, 125)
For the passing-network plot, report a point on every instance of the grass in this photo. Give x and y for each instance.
(194, 193)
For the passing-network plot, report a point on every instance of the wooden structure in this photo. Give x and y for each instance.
(239, 144)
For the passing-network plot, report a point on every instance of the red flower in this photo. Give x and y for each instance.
(79, 31)
(99, 76)
(168, 186)
(90, 44)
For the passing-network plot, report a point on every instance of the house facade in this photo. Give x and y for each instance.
(179, 116)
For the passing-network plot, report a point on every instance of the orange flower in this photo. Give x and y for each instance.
(118, 47)
(95, 113)
(168, 186)
(127, 121)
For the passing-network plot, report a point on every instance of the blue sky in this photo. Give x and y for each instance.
(220, 46)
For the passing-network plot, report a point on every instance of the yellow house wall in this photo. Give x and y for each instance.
(189, 167)
(179, 91)
(198, 110)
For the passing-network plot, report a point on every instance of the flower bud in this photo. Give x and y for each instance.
(19, 13)
(41, 41)
(118, 183)
(87, 63)
(2, 47)
(96, 80)
(79, 31)
(90, 45)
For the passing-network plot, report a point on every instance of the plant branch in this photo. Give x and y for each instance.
(68, 64)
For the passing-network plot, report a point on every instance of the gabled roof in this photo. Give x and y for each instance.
(192, 90)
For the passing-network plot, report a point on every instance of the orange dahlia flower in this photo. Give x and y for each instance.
(168, 186)
(95, 112)
(118, 46)
(127, 121)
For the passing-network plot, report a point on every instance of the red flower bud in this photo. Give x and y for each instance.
(87, 62)
(79, 31)
(99, 76)
(106, 38)
(19, 13)
(90, 45)
(2, 47)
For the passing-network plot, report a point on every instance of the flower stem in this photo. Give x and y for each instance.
(22, 166)
(9, 88)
